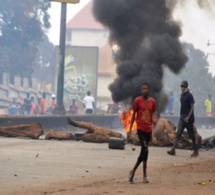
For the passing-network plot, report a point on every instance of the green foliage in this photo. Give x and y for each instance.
(22, 26)
(196, 73)
(44, 63)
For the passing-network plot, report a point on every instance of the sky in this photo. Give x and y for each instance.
(198, 24)
(198, 27)
(55, 12)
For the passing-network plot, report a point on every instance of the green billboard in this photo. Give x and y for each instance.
(80, 76)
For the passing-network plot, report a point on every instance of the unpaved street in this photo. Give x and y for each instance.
(71, 167)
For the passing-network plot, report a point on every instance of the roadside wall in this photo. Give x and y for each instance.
(108, 121)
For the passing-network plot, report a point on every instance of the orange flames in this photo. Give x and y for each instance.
(125, 118)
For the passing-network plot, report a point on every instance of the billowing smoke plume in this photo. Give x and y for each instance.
(148, 39)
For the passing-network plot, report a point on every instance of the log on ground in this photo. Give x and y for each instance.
(94, 133)
(31, 130)
(59, 135)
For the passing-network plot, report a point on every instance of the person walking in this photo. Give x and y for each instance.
(13, 108)
(170, 110)
(144, 107)
(89, 103)
(27, 104)
(53, 103)
(33, 106)
(186, 119)
(43, 104)
(73, 109)
(208, 106)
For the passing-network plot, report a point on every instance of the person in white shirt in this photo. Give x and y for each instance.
(89, 103)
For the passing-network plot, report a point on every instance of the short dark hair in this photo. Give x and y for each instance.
(145, 83)
(184, 84)
(44, 95)
(88, 92)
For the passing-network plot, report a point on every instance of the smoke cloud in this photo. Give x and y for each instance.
(148, 39)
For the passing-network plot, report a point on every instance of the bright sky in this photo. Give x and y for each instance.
(198, 27)
(55, 12)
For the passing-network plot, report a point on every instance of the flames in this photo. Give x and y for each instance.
(125, 118)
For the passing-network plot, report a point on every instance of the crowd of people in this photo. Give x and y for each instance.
(30, 106)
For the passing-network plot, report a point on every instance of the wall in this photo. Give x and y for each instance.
(9, 91)
(88, 38)
(108, 121)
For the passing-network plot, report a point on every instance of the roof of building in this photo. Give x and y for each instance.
(85, 19)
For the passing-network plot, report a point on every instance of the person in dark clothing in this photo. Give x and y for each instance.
(27, 104)
(186, 120)
(13, 108)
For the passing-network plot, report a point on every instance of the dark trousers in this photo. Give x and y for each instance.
(89, 111)
(181, 126)
(144, 139)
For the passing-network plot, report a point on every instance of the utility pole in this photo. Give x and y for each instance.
(209, 44)
(60, 109)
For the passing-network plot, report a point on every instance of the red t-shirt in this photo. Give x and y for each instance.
(144, 110)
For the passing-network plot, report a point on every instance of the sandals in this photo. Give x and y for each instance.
(145, 180)
(130, 177)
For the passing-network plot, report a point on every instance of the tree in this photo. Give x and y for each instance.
(196, 73)
(44, 63)
(22, 26)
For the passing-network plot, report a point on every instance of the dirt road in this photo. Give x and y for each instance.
(69, 167)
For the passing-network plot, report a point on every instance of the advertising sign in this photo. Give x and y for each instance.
(80, 76)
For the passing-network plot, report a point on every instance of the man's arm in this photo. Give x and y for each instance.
(84, 103)
(94, 106)
(191, 111)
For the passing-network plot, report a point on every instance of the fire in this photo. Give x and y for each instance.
(154, 119)
(125, 118)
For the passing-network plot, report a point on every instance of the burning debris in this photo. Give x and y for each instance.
(148, 39)
(125, 118)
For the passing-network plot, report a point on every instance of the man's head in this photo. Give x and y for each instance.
(44, 95)
(145, 89)
(73, 100)
(209, 96)
(28, 94)
(88, 93)
(53, 96)
(184, 86)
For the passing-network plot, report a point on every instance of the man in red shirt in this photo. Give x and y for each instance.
(144, 108)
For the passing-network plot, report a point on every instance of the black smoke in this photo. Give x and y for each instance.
(148, 39)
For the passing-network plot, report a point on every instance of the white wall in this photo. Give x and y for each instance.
(87, 38)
